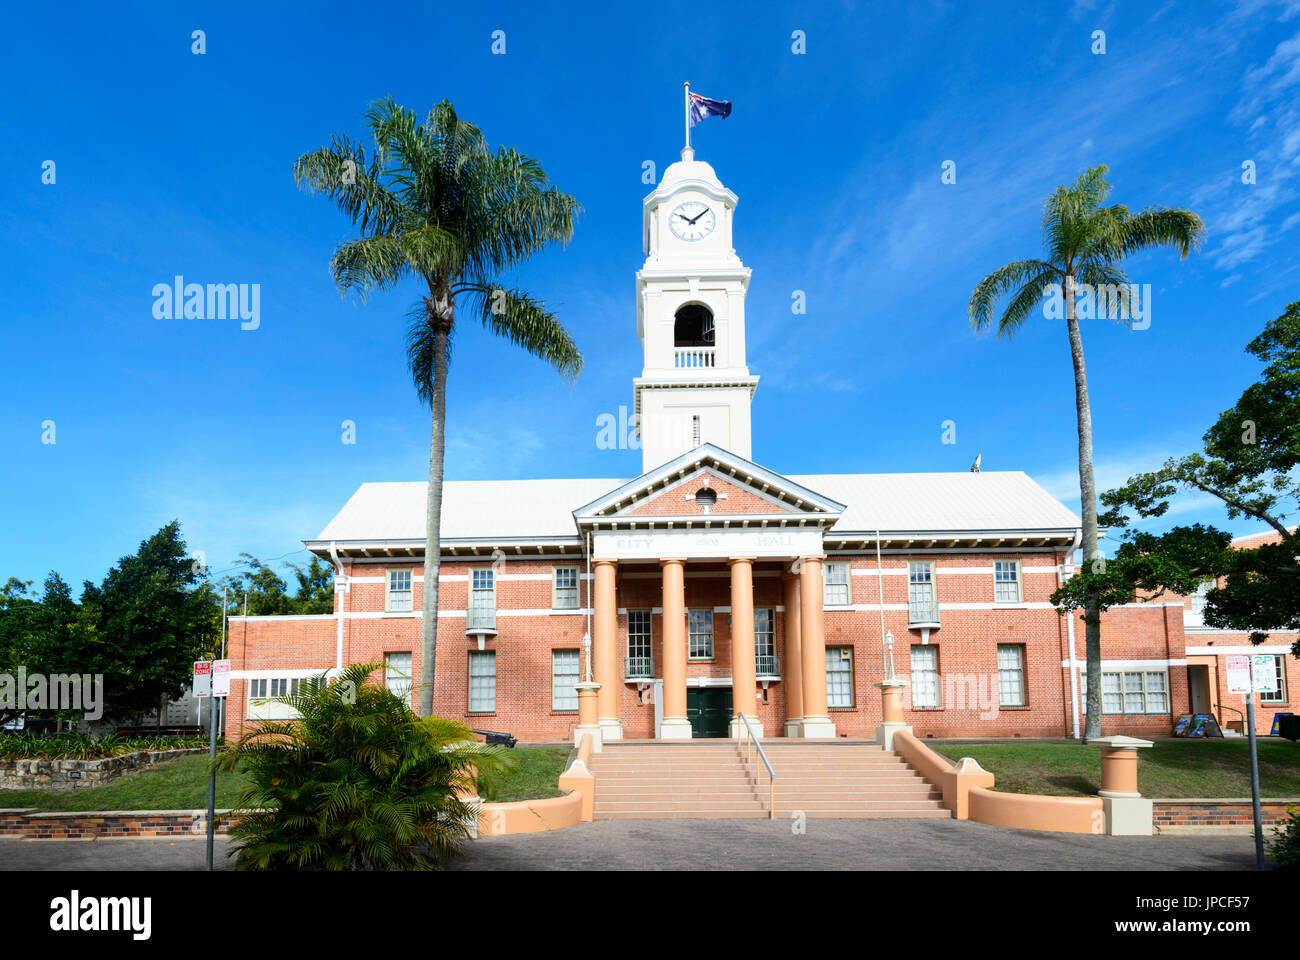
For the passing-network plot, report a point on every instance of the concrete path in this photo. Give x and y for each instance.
(727, 844)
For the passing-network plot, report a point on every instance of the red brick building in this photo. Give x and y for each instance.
(710, 586)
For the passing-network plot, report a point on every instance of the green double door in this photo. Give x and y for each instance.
(709, 710)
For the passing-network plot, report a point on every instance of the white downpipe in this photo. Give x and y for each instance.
(340, 591)
(880, 587)
(1061, 577)
(586, 637)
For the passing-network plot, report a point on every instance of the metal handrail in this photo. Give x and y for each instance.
(771, 776)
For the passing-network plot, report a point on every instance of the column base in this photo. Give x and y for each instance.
(885, 733)
(610, 729)
(597, 737)
(1117, 795)
(793, 728)
(675, 728)
(816, 728)
(1127, 816)
(738, 729)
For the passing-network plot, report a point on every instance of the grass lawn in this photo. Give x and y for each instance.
(179, 784)
(539, 769)
(1184, 769)
(182, 784)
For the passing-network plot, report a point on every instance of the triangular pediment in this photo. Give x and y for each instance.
(709, 482)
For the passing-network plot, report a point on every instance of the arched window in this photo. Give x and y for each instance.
(693, 326)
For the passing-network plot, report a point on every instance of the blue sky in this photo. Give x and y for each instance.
(168, 163)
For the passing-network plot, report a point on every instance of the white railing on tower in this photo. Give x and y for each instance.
(688, 357)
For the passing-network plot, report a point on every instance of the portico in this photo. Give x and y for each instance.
(709, 513)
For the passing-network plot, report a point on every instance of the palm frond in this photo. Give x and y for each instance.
(524, 320)
(1012, 280)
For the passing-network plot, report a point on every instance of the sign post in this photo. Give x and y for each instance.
(220, 688)
(1247, 675)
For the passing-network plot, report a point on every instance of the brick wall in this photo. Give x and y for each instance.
(1217, 813)
(529, 632)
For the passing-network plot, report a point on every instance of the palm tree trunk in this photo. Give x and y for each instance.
(433, 517)
(1088, 507)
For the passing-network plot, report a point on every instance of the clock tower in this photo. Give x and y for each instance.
(695, 386)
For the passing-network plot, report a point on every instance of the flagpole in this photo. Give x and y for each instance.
(686, 86)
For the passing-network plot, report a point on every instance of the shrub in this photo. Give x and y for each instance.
(1284, 845)
(79, 746)
(356, 781)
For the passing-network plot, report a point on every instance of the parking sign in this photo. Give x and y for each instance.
(221, 678)
(202, 678)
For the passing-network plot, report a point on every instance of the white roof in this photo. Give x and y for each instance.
(541, 509)
(993, 500)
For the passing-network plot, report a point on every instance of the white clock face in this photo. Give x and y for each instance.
(692, 220)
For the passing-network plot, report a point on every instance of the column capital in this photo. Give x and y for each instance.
(663, 561)
(604, 562)
(731, 560)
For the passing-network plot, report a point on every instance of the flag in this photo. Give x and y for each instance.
(702, 108)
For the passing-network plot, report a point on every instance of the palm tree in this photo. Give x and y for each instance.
(435, 204)
(1085, 243)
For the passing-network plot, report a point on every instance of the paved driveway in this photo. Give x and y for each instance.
(728, 844)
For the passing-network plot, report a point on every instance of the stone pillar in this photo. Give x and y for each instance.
(605, 642)
(1127, 813)
(816, 719)
(588, 721)
(743, 668)
(793, 672)
(675, 726)
(891, 711)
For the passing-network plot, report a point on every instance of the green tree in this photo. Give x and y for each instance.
(356, 781)
(1249, 464)
(17, 610)
(1084, 243)
(315, 592)
(144, 625)
(267, 592)
(433, 203)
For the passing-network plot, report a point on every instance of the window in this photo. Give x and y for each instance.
(700, 624)
(640, 662)
(482, 598)
(565, 591)
(564, 675)
(1130, 691)
(399, 590)
(1279, 696)
(397, 674)
(925, 675)
(839, 676)
(1011, 675)
(765, 643)
(264, 687)
(835, 586)
(921, 605)
(482, 681)
(1006, 581)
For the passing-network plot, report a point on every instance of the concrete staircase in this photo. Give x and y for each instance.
(693, 779)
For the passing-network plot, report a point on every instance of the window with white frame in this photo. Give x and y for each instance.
(839, 676)
(925, 675)
(399, 591)
(263, 687)
(1278, 695)
(482, 597)
(765, 642)
(1011, 675)
(397, 674)
(482, 681)
(564, 677)
(1006, 582)
(700, 623)
(836, 588)
(921, 605)
(566, 589)
(1129, 691)
(639, 662)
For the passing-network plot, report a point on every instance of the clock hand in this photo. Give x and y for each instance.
(697, 216)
